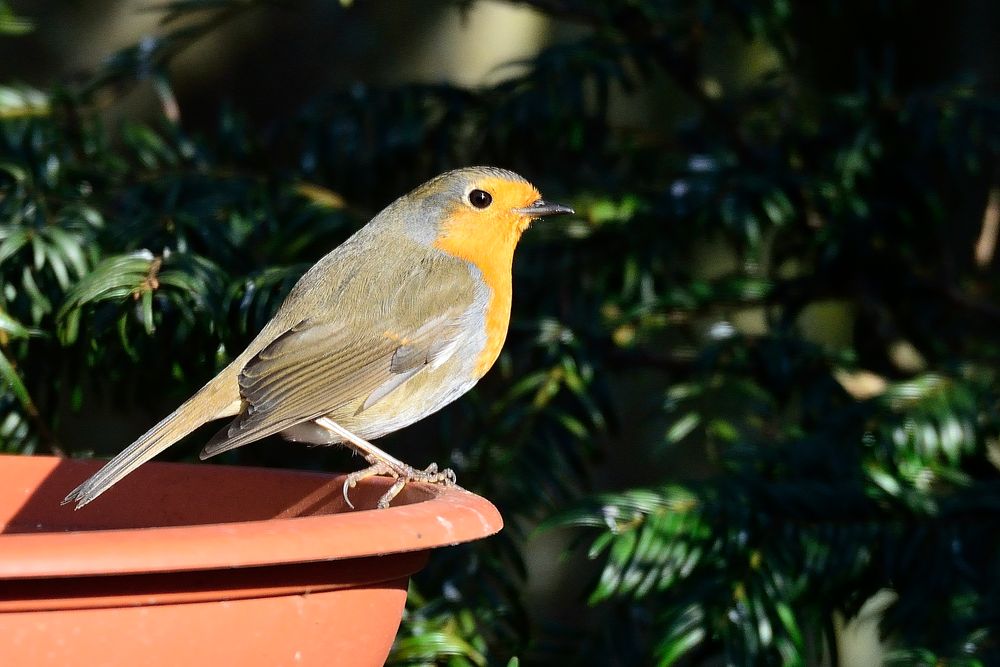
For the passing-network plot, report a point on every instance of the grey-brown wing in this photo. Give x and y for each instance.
(320, 369)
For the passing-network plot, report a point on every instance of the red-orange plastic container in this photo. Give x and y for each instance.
(213, 565)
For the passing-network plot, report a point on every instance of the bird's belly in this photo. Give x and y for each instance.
(410, 403)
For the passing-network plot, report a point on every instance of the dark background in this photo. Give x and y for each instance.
(757, 370)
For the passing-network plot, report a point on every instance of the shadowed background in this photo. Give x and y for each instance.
(754, 376)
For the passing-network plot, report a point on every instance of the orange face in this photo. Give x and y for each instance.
(484, 230)
(489, 221)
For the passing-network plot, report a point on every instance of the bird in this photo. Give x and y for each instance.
(401, 319)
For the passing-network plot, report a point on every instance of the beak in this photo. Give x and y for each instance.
(542, 208)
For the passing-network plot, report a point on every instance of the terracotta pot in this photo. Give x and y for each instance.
(212, 565)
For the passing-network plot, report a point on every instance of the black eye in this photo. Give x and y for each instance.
(480, 198)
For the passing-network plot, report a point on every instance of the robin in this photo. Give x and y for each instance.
(398, 321)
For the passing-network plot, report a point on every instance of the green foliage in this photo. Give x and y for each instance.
(889, 492)
(796, 255)
(11, 23)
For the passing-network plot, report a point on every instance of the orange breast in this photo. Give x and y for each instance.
(491, 250)
(497, 323)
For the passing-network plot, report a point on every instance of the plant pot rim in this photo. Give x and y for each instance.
(425, 517)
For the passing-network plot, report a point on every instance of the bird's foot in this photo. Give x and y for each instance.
(403, 475)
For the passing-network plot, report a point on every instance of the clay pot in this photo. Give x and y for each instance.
(213, 565)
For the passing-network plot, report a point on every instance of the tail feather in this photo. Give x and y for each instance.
(219, 398)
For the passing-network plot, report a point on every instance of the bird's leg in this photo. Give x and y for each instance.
(382, 463)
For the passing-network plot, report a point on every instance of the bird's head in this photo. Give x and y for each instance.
(476, 210)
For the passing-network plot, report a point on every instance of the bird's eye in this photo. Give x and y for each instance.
(480, 198)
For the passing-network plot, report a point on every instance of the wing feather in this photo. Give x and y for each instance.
(319, 368)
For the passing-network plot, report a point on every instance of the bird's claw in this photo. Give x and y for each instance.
(403, 475)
